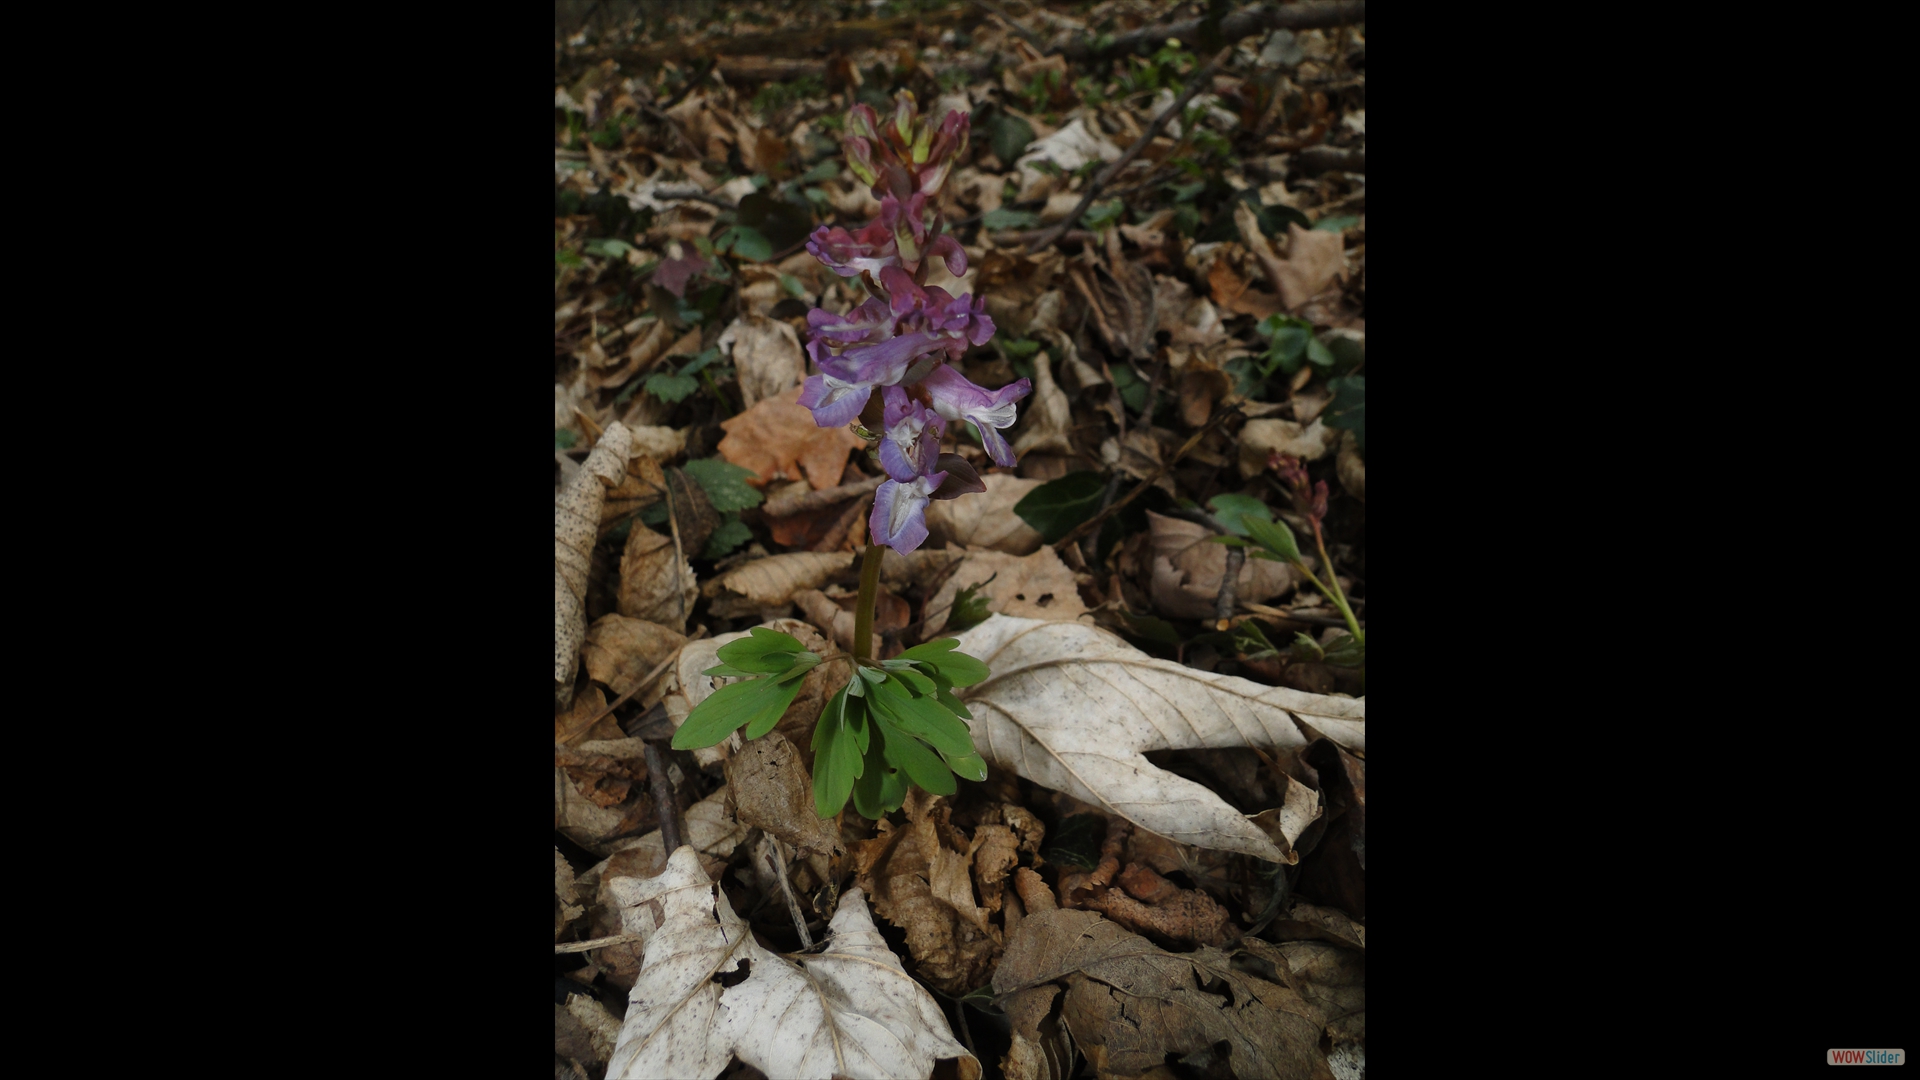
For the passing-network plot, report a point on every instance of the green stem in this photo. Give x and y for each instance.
(1334, 594)
(869, 592)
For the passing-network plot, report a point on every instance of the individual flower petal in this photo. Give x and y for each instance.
(899, 518)
(834, 401)
(912, 442)
(870, 321)
(848, 254)
(884, 363)
(957, 399)
(956, 256)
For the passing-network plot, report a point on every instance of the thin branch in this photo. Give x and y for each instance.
(1013, 24)
(1219, 417)
(663, 800)
(1200, 79)
(1240, 24)
(597, 943)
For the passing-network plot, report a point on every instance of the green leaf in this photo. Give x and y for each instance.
(563, 438)
(727, 708)
(920, 684)
(1348, 409)
(671, 387)
(1055, 507)
(969, 766)
(747, 242)
(1317, 354)
(1133, 389)
(1101, 215)
(1183, 193)
(707, 356)
(836, 757)
(784, 691)
(794, 287)
(953, 704)
(730, 671)
(826, 170)
(1002, 218)
(608, 249)
(1275, 536)
(1229, 509)
(922, 766)
(731, 534)
(969, 607)
(655, 514)
(880, 788)
(921, 718)
(1009, 136)
(759, 642)
(1153, 629)
(1345, 651)
(1305, 650)
(725, 483)
(1336, 224)
(1251, 641)
(957, 667)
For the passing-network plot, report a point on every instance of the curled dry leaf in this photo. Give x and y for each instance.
(1129, 1004)
(1352, 467)
(1047, 420)
(655, 584)
(986, 520)
(773, 792)
(576, 522)
(1261, 438)
(767, 355)
(778, 440)
(772, 582)
(621, 651)
(1074, 708)
(1332, 980)
(708, 992)
(1036, 586)
(923, 885)
(1187, 568)
(1306, 922)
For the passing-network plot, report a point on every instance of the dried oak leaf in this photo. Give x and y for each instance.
(1130, 1004)
(576, 522)
(778, 440)
(1260, 439)
(924, 887)
(767, 356)
(986, 520)
(655, 584)
(620, 651)
(1187, 568)
(1075, 708)
(1036, 586)
(772, 582)
(708, 992)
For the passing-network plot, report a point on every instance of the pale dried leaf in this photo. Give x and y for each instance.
(778, 440)
(922, 886)
(1259, 438)
(654, 584)
(1299, 807)
(767, 356)
(773, 581)
(986, 519)
(576, 521)
(1036, 586)
(658, 443)
(849, 1011)
(1069, 148)
(1074, 708)
(706, 825)
(565, 910)
(620, 651)
(1352, 467)
(1187, 567)
(1046, 419)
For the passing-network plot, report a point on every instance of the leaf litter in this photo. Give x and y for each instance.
(1176, 751)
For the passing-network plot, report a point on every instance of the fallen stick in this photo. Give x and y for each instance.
(1240, 24)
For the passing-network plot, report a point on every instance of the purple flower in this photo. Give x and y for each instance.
(847, 254)
(899, 518)
(911, 445)
(987, 410)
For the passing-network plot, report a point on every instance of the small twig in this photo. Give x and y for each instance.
(1229, 579)
(663, 801)
(596, 943)
(1200, 79)
(778, 864)
(846, 523)
(1241, 24)
(1032, 38)
(784, 505)
(1219, 417)
(679, 559)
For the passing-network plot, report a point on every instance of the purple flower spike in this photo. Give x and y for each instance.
(987, 410)
(899, 518)
(912, 442)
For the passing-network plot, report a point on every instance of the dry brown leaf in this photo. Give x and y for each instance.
(1147, 901)
(565, 910)
(1260, 438)
(767, 356)
(1036, 586)
(1187, 567)
(778, 440)
(1041, 1048)
(1332, 981)
(576, 522)
(1129, 1004)
(587, 704)
(643, 486)
(1306, 922)
(1189, 319)
(1236, 293)
(1314, 258)
(1046, 421)
(649, 343)
(708, 992)
(772, 582)
(772, 792)
(655, 585)
(923, 887)
(621, 651)
(1075, 709)
(986, 519)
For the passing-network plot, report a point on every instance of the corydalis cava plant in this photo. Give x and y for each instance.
(896, 721)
